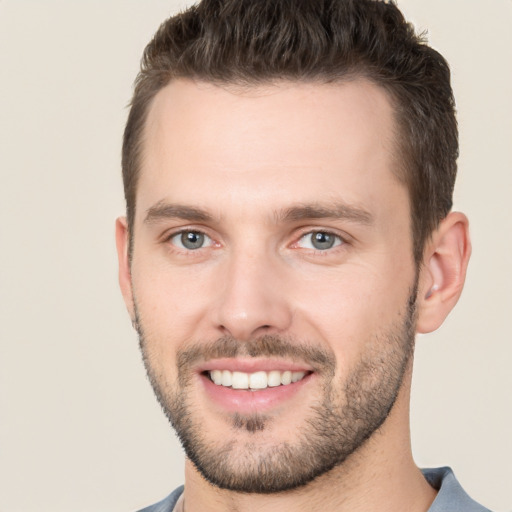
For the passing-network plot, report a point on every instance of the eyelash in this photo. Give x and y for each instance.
(175, 234)
(339, 240)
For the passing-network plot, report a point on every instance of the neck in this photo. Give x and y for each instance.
(381, 475)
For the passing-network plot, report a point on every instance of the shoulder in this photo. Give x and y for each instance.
(167, 504)
(451, 496)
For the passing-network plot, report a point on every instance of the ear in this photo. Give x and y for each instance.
(125, 280)
(442, 276)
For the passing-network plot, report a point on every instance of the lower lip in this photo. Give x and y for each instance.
(250, 401)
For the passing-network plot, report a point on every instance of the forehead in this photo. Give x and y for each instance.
(295, 141)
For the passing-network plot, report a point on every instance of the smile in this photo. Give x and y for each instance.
(256, 380)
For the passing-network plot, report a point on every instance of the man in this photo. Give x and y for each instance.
(288, 170)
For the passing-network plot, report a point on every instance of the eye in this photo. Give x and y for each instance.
(190, 240)
(319, 240)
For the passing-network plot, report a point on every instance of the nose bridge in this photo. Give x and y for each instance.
(252, 301)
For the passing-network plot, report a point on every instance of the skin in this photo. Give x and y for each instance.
(245, 158)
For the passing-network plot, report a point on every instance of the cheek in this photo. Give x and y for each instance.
(349, 307)
(170, 305)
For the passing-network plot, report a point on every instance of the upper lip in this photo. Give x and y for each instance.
(251, 365)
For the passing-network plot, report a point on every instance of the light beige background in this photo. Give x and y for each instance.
(79, 427)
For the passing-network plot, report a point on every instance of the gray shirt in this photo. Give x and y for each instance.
(451, 497)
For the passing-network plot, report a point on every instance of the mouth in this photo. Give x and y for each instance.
(256, 380)
(248, 386)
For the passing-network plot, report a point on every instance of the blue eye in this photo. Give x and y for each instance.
(190, 240)
(319, 240)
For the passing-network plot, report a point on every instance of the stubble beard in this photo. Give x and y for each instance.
(338, 426)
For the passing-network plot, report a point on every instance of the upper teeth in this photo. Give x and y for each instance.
(256, 380)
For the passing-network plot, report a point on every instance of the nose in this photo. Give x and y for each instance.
(252, 298)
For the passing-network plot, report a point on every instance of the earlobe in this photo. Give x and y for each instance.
(125, 281)
(443, 273)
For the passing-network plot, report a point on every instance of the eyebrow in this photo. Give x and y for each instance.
(334, 211)
(163, 210)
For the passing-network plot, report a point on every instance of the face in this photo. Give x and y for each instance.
(272, 279)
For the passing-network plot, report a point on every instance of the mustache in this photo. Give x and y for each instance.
(264, 346)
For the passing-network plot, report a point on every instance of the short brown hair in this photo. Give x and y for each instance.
(252, 42)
